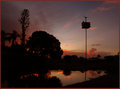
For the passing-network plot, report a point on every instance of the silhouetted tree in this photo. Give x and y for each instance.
(67, 59)
(3, 38)
(24, 20)
(81, 58)
(98, 56)
(45, 45)
(67, 72)
(14, 35)
(74, 57)
(9, 36)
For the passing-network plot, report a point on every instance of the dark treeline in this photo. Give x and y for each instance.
(39, 54)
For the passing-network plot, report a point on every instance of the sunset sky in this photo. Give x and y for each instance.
(63, 20)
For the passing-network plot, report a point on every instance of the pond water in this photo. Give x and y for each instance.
(75, 76)
(69, 77)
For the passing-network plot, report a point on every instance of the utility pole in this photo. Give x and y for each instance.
(85, 25)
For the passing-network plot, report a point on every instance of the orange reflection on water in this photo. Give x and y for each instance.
(67, 77)
(28, 75)
(37, 75)
(59, 72)
(93, 73)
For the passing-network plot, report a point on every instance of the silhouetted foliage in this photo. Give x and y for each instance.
(70, 59)
(67, 72)
(67, 59)
(9, 36)
(43, 44)
(24, 21)
(3, 38)
(98, 56)
(14, 35)
(37, 82)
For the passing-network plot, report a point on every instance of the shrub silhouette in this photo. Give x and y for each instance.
(3, 38)
(9, 37)
(43, 44)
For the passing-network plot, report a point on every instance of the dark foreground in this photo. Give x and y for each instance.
(106, 81)
(14, 64)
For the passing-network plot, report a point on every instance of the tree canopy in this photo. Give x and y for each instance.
(44, 44)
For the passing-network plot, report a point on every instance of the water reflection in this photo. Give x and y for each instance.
(57, 78)
(29, 75)
(94, 74)
(72, 77)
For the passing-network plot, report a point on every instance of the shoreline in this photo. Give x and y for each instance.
(105, 81)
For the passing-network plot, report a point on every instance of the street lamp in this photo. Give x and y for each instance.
(85, 25)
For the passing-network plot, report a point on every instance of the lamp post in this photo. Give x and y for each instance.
(85, 25)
